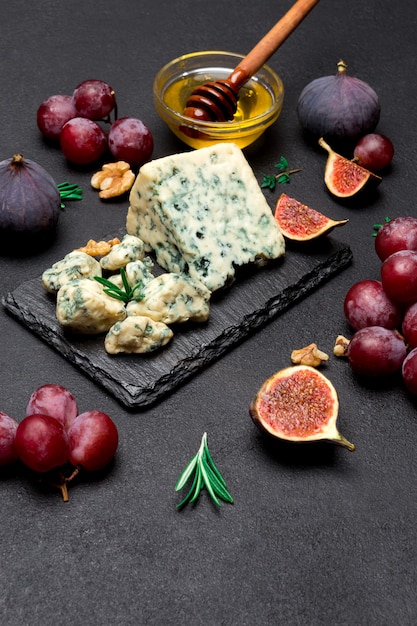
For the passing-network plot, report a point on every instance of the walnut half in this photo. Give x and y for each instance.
(98, 248)
(310, 355)
(341, 346)
(114, 179)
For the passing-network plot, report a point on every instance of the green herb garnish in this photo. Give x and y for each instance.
(376, 227)
(206, 475)
(69, 191)
(126, 294)
(281, 178)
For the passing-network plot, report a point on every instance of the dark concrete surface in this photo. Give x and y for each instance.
(317, 536)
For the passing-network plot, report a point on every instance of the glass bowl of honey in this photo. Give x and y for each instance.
(259, 105)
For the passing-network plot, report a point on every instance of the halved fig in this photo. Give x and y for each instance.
(300, 222)
(298, 404)
(345, 178)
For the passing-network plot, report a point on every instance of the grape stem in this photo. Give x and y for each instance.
(115, 109)
(62, 486)
(108, 120)
(73, 475)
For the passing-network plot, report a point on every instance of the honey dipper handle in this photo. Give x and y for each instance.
(266, 47)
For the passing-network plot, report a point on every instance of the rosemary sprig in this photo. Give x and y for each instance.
(206, 475)
(281, 178)
(376, 227)
(126, 294)
(69, 191)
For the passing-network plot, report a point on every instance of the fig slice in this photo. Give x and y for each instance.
(298, 404)
(345, 178)
(300, 222)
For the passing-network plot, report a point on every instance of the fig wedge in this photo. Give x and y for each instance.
(300, 222)
(298, 404)
(345, 178)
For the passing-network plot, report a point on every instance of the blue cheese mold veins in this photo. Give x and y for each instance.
(203, 213)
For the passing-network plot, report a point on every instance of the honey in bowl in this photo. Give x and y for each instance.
(259, 103)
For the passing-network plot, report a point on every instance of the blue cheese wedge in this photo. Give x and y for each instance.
(203, 213)
(173, 299)
(137, 334)
(74, 265)
(131, 248)
(83, 307)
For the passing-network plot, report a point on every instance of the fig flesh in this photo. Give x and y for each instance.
(298, 404)
(299, 222)
(340, 107)
(345, 178)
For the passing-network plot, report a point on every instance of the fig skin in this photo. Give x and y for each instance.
(307, 386)
(30, 201)
(338, 107)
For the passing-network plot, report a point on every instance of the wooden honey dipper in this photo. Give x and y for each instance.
(216, 101)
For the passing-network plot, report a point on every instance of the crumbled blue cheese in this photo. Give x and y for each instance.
(139, 271)
(137, 334)
(83, 307)
(173, 299)
(203, 213)
(136, 272)
(74, 265)
(131, 248)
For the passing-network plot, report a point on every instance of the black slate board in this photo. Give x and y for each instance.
(257, 296)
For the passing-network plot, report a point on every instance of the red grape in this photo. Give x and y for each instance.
(399, 233)
(130, 140)
(53, 400)
(94, 99)
(367, 304)
(409, 371)
(375, 352)
(409, 326)
(374, 151)
(41, 442)
(82, 141)
(93, 440)
(399, 276)
(8, 427)
(53, 113)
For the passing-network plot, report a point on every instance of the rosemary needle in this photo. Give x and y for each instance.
(206, 475)
(126, 294)
(69, 191)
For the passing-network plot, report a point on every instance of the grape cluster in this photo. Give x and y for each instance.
(54, 437)
(74, 122)
(383, 313)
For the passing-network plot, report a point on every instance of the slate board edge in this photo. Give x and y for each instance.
(141, 397)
